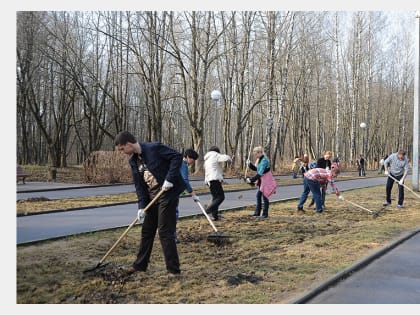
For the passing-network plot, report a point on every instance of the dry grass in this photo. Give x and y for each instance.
(71, 174)
(269, 261)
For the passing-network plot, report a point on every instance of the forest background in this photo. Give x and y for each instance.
(300, 81)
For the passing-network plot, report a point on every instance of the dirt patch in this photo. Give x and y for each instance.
(241, 278)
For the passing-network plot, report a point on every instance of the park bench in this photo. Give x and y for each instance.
(20, 174)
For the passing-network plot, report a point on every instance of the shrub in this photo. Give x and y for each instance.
(107, 167)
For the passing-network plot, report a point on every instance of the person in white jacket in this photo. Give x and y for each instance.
(214, 177)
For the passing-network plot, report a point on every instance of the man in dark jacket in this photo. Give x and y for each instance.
(361, 165)
(154, 167)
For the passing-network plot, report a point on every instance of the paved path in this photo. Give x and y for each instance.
(393, 278)
(61, 190)
(45, 226)
(53, 190)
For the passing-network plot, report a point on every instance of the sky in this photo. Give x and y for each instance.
(221, 5)
(8, 117)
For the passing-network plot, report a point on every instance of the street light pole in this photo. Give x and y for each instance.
(215, 96)
(415, 177)
(364, 148)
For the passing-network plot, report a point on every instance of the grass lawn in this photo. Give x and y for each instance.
(269, 261)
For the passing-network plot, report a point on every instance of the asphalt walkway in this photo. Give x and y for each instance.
(389, 276)
(52, 190)
(39, 227)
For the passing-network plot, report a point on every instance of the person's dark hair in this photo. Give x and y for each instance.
(124, 137)
(401, 151)
(214, 148)
(191, 154)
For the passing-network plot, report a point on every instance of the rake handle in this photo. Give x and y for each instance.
(207, 216)
(405, 186)
(117, 242)
(361, 207)
(249, 154)
(149, 205)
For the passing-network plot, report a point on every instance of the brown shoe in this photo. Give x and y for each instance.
(174, 275)
(130, 270)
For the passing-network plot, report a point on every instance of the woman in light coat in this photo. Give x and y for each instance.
(214, 177)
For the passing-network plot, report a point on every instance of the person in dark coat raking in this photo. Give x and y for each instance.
(155, 166)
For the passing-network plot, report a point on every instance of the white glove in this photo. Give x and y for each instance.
(248, 180)
(386, 173)
(341, 198)
(327, 168)
(401, 182)
(167, 185)
(195, 198)
(248, 161)
(140, 214)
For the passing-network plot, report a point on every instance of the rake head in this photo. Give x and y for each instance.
(98, 268)
(376, 213)
(219, 239)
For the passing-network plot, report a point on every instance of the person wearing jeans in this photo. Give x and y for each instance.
(262, 166)
(396, 165)
(315, 180)
(296, 166)
(323, 162)
(190, 156)
(258, 205)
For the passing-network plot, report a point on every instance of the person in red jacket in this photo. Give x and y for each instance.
(315, 180)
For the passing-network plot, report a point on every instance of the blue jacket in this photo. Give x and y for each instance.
(263, 166)
(164, 163)
(184, 174)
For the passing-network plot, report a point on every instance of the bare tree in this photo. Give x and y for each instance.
(301, 82)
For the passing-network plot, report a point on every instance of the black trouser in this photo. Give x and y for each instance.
(218, 195)
(162, 217)
(389, 184)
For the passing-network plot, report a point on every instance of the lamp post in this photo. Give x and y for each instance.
(215, 96)
(364, 149)
(416, 115)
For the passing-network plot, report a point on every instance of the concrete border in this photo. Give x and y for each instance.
(347, 272)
